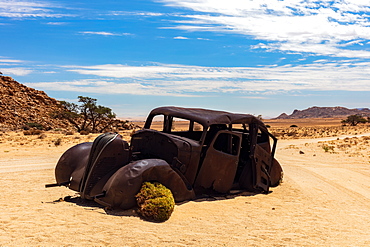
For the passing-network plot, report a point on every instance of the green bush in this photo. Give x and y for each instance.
(35, 125)
(155, 201)
(328, 148)
(353, 120)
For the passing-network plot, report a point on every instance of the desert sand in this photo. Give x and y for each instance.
(324, 200)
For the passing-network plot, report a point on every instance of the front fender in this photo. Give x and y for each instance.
(71, 165)
(123, 185)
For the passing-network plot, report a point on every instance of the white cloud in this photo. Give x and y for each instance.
(130, 13)
(180, 80)
(56, 23)
(7, 67)
(106, 87)
(105, 33)
(27, 9)
(317, 27)
(8, 60)
(180, 37)
(16, 71)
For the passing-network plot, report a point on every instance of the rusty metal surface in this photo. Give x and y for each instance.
(219, 168)
(121, 188)
(218, 158)
(206, 117)
(108, 153)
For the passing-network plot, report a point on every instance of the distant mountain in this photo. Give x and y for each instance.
(325, 112)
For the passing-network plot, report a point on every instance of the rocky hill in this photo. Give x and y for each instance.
(21, 106)
(325, 112)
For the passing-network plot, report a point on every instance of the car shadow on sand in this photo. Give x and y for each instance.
(94, 206)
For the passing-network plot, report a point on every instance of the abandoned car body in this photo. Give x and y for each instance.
(194, 151)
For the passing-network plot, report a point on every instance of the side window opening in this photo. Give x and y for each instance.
(262, 136)
(212, 132)
(263, 139)
(244, 128)
(186, 128)
(158, 123)
(227, 143)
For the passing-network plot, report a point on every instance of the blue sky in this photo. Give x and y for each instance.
(250, 56)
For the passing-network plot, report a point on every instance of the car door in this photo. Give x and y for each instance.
(262, 157)
(219, 166)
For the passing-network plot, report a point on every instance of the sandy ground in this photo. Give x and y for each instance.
(323, 201)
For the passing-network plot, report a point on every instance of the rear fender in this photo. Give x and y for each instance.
(276, 173)
(121, 188)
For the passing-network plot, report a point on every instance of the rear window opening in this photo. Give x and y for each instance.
(177, 126)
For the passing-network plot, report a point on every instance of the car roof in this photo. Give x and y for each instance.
(206, 117)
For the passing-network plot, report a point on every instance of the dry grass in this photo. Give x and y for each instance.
(318, 131)
(351, 147)
(48, 139)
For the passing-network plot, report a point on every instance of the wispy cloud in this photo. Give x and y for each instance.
(137, 13)
(315, 27)
(105, 33)
(180, 80)
(10, 60)
(29, 9)
(56, 23)
(106, 87)
(180, 37)
(10, 66)
(18, 71)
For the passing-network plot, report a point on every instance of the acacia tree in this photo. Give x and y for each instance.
(353, 120)
(88, 116)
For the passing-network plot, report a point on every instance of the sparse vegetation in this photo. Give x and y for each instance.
(57, 141)
(42, 136)
(328, 148)
(353, 120)
(88, 116)
(35, 125)
(318, 132)
(32, 132)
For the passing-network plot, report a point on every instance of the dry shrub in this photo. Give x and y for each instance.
(155, 202)
(57, 142)
(42, 136)
(32, 132)
(84, 132)
(69, 133)
(328, 148)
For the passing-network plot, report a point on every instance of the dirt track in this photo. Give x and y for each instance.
(323, 201)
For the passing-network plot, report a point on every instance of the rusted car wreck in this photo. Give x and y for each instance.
(193, 152)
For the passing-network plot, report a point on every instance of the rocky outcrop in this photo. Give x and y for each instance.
(325, 112)
(22, 106)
